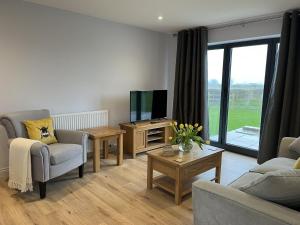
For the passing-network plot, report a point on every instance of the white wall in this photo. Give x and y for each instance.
(67, 62)
(250, 31)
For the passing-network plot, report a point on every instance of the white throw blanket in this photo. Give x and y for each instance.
(20, 164)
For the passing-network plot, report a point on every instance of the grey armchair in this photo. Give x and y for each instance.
(48, 161)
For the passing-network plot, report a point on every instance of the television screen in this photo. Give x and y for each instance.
(147, 105)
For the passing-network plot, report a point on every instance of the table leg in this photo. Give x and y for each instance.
(178, 187)
(96, 159)
(105, 149)
(120, 150)
(218, 169)
(149, 173)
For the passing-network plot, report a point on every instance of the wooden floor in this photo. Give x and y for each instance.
(115, 195)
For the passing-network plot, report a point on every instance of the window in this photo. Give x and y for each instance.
(239, 76)
(215, 71)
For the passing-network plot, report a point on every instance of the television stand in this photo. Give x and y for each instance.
(153, 122)
(146, 135)
(159, 120)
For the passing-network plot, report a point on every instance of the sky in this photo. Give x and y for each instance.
(248, 64)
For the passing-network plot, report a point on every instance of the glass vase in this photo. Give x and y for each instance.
(186, 146)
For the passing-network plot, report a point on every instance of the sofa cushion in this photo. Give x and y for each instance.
(297, 164)
(295, 146)
(60, 153)
(245, 179)
(273, 165)
(281, 186)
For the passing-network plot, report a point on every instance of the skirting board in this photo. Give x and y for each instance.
(4, 173)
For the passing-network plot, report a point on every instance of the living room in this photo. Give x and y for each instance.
(219, 145)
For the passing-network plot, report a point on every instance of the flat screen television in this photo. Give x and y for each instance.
(148, 105)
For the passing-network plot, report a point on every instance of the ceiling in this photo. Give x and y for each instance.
(178, 14)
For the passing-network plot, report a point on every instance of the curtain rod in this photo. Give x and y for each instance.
(246, 21)
(243, 22)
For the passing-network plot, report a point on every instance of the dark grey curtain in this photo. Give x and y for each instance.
(190, 90)
(283, 111)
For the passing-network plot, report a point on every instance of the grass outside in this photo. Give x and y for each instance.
(239, 115)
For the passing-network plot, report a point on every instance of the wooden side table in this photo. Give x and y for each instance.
(103, 134)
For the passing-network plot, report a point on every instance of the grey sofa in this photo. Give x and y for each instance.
(214, 204)
(48, 161)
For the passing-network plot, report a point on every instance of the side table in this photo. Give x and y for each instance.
(103, 134)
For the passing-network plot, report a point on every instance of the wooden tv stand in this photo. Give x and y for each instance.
(146, 135)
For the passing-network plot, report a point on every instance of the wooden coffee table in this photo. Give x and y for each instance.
(177, 177)
(104, 134)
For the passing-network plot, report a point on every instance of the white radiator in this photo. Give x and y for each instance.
(82, 120)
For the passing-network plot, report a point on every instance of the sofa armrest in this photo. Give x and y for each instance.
(73, 137)
(220, 205)
(284, 148)
(40, 158)
(40, 162)
(4, 147)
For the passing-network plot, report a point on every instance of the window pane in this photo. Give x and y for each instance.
(215, 71)
(246, 95)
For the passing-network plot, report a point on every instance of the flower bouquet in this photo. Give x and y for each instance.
(185, 135)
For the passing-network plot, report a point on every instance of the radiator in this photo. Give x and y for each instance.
(82, 120)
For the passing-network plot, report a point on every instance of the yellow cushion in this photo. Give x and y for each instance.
(297, 164)
(41, 130)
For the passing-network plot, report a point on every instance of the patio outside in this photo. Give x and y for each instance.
(244, 113)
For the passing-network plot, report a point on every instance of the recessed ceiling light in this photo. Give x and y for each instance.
(160, 18)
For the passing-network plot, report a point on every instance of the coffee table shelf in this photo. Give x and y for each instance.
(168, 184)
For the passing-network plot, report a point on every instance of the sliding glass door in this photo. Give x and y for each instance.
(239, 76)
(215, 71)
(246, 89)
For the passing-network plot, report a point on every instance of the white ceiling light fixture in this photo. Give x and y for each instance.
(160, 18)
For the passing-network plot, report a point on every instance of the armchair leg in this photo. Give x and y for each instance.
(81, 170)
(42, 187)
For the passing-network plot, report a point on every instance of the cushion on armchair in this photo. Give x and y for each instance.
(41, 130)
(60, 153)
